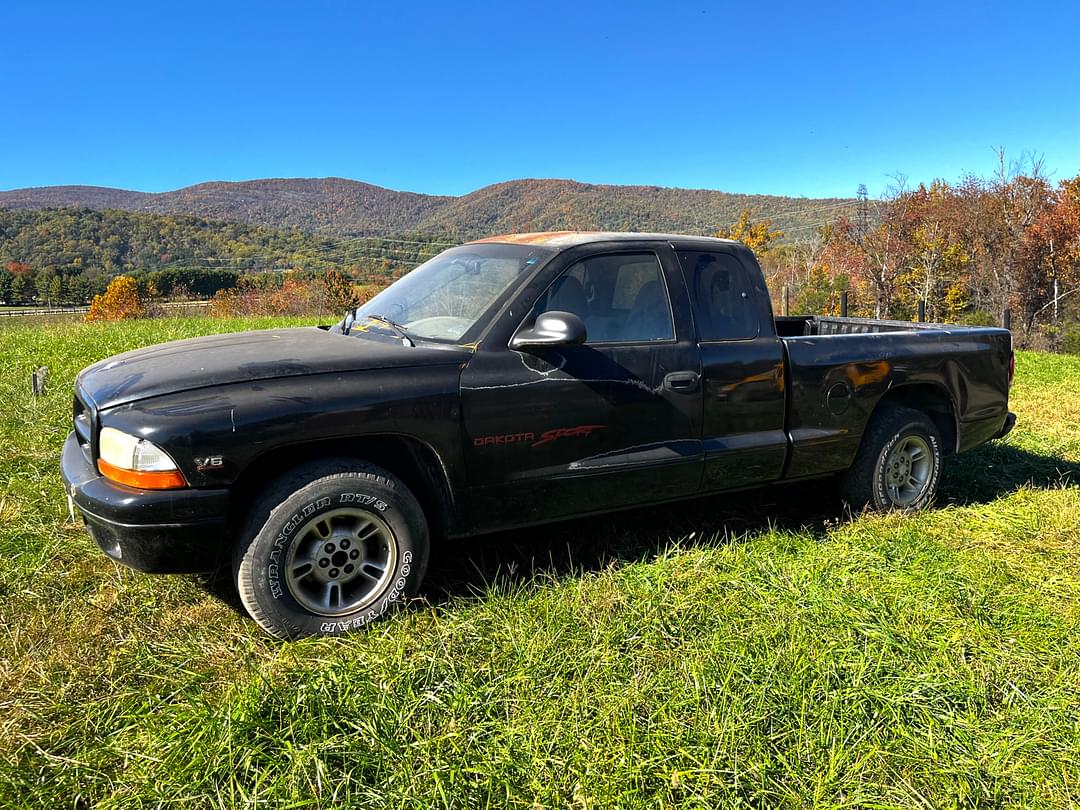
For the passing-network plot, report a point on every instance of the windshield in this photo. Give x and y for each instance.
(446, 296)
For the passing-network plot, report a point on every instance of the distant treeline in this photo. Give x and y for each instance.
(66, 256)
(969, 250)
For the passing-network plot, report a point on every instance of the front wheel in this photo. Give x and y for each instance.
(330, 547)
(898, 465)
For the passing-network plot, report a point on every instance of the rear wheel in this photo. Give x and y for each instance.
(898, 465)
(330, 547)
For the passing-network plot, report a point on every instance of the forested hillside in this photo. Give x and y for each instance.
(969, 249)
(543, 205)
(65, 256)
(337, 207)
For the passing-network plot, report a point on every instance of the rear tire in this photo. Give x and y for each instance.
(898, 465)
(330, 547)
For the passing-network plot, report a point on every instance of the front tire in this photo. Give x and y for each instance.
(330, 547)
(898, 465)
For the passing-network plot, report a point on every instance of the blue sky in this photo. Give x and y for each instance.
(447, 97)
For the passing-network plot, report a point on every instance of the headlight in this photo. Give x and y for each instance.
(136, 462)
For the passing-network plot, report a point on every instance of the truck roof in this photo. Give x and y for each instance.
(567, 239)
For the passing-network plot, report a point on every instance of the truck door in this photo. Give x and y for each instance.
(743, 434)
(587, 428)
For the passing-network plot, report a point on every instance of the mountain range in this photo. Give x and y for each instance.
(336, 207)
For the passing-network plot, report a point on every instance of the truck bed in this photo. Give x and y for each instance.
(809, 325)
(839, 368)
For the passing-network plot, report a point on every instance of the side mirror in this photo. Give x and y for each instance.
(551, 329)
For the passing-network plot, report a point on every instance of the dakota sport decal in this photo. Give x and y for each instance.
(530, 438)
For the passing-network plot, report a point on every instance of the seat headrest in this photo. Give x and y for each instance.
(569, 296)
(649, 298)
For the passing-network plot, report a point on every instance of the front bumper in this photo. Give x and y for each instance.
(162, 532)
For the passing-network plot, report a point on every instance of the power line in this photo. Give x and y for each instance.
(804, 209)
(350, 249)
(295, 255)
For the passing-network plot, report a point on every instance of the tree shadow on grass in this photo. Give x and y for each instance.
(467, 566)
(996, 469)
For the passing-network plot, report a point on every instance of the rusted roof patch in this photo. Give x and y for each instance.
(571, 238)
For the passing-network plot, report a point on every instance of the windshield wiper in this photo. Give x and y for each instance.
(397, 327)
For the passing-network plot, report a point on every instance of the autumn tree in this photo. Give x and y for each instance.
(120, 301)
(1009, 206)
(757, 236)
(936, 259)
(803, 267)
(338, 292)
(1050, 264)
(295, 297)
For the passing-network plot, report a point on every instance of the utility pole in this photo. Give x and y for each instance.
(862, 212)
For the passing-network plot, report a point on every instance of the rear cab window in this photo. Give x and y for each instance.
(724, 304)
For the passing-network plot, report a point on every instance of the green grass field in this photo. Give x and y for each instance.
(754, 651)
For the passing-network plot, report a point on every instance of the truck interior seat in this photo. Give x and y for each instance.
(649, 318)
(569, 296)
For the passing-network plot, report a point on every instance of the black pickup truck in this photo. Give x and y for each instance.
(509, 381)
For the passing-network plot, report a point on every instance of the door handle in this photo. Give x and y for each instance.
(682, 382)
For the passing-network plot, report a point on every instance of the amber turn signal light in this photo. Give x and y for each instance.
(136, 462)
(141, 479)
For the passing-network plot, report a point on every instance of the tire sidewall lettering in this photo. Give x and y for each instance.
(300, 516)
(293, 503)
(279, 590)
(360, 499)
(281, 542)
(371, 614)
(879, 468)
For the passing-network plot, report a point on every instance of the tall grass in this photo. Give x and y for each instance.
(764, 650)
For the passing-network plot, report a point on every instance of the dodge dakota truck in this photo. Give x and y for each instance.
(506, 382)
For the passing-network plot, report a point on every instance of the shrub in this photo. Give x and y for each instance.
(365, 292)
(339, 293)
(1070, 343)
(293, 297)
(255, 295)
(121, 301)
(978, 317)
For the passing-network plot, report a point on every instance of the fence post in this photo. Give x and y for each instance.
(922, 312)
(38, 380)
(1006, 318)
(843, 304)
(784, 306)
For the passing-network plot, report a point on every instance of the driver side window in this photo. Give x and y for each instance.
(622, 298)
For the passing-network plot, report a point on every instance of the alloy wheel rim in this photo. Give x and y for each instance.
(340, 561)
(908, 470)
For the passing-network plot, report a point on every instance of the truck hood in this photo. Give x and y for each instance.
(184, 365)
